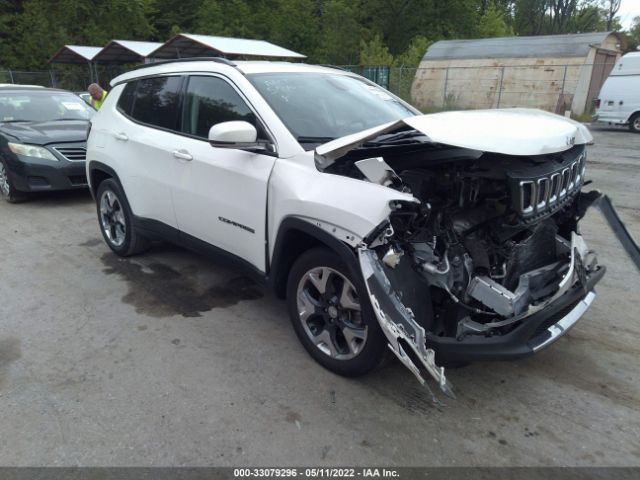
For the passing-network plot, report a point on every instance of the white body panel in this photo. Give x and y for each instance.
(346, 207)
(620, 93)
(220, 186)
(515, 131)
(142, 157)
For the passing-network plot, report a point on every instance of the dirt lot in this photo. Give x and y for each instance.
(169, 359)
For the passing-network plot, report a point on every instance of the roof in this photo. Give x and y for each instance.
(6, 87)
(190, 45)
(18, 86)
(125, 51)
(203, 65)
(253, 66)
(571, 45)
(628, 64)
(74, 54)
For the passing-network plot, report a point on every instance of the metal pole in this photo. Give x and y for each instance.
(11, 76)
(500, 88)
(90, 73)
(400, 80)
(53, 78)
(446, 81)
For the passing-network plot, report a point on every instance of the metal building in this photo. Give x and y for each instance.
(125, 51)
(189, 45)
(558, 73)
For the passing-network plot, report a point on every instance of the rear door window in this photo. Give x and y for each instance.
(209, 101)
(125, 102)
(157, 102)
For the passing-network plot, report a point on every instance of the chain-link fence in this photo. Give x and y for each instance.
(555, 88)
(74, 78)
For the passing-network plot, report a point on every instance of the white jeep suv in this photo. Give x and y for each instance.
(447, 238)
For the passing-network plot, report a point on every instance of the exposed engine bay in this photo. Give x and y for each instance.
(491, 240)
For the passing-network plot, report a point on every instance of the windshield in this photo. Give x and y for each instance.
(42, 107)
(318, 107)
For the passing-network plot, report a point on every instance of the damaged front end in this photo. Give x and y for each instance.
(487, 263)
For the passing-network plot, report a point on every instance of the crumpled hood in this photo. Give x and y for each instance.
(42, 133)
(512, 131)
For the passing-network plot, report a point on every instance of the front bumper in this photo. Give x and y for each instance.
(534, 333)
(539, 326)
(36, 175)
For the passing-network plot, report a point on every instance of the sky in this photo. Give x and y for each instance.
(628, 10)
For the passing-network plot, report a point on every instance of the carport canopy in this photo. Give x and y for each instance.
(125, 51)
(185, 45)
(78, 54)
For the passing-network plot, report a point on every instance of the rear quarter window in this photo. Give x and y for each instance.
(157, 102)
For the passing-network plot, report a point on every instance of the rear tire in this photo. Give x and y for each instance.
(332, 317)
(634, 123)
(7, 190)
(116, 220)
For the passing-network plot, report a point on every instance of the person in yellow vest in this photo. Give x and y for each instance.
(98, 94)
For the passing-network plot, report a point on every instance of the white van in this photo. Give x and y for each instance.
(619, 99)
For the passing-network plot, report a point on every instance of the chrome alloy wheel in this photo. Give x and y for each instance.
(330, 313)
(4, 180)
(112, 218)
(636, 124)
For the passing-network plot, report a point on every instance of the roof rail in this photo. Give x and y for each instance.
(188, 59)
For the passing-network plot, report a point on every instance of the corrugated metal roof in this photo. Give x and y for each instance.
(190, 45)
(571, 45)
(75, 54)
(126, 51)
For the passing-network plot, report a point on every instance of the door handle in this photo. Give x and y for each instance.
(121, 136)
(182, 155)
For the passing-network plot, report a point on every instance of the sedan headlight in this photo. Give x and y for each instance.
(32, 151)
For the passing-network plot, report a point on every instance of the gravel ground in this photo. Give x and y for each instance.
(170, 359)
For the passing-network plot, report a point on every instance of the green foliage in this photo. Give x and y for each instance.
(375, 52)
(339, 32)
(633, 37)
(412, 56)
(492, 23)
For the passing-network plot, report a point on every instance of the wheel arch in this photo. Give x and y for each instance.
(296, 236)
(99, 172)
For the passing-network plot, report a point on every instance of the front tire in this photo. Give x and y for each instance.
(116, 220)
(7, 190)
(634, 123)
(332, 318)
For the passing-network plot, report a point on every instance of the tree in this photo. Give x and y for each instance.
(38, 30)
(612, 10)
(633, 36)
(375, 52)
(340, 33)
(529, 16)
(170, 16)
(492, 23)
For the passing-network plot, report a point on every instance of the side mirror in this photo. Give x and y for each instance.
(236, 134)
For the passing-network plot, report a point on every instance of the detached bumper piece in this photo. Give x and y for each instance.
(407, 339)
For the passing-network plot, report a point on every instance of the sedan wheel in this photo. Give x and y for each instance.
(7, 190)
(634, 125)
(4, 181)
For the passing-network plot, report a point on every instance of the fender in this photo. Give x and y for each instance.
(284, 256)
(93, 166)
